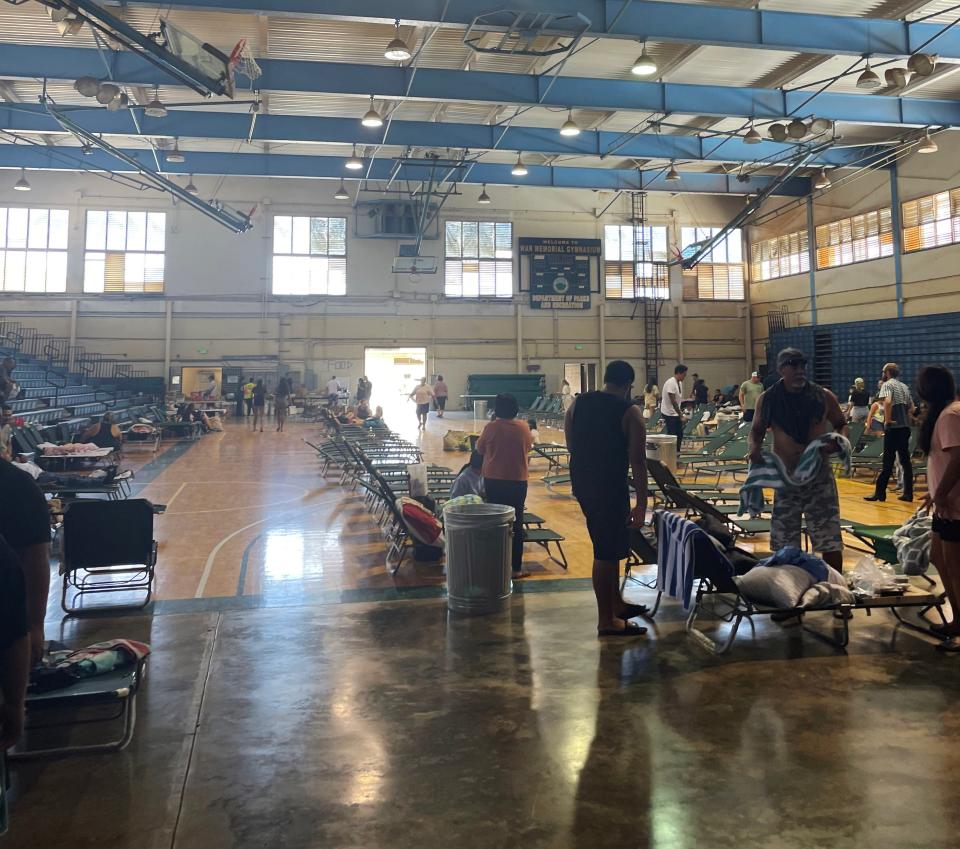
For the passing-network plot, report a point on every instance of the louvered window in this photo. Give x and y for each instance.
(33, 250)
(855, 239)
(931, 221)
(125, 252)
(634, 262)
(719, 276)
(309, 255)
(478, 259)
(780, 256)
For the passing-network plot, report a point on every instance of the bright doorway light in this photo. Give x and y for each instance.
(394, 372)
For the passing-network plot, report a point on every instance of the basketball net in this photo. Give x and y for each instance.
(243, 62)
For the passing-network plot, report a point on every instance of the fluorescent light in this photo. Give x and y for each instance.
(484, 197)
(868, 79)
(354, 163)
(190, 187)
(341, 193)
(672, 176)
(752, 136)
(22, 185)
(928, 145)
(397, 50)
(569, 127)
(372, 117)
(823, 180)
(175, 156)
(519, 169)
(644, 66)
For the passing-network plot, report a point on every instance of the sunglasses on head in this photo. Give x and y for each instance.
(796, 362)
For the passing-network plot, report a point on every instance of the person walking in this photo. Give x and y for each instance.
(440, 394)
(897, 403)
(333, 392)
(363, 390)
(799, 412)
(505, 444)
(858, 401)
(282, 401)
(670, 403)
(605, 434)
(259, 404)
(238, 399)
(566, 394)
(700, 391)
(248, 388)
(750, 391)
(421, 395)
(940, 442)
(651, 399)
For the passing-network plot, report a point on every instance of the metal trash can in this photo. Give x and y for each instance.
(478, 548)
(480, 410)
(663, 447)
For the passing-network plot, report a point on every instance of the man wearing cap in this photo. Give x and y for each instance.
(896, 402)
(798, 411)
(750, 391)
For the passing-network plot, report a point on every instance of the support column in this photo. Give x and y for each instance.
(897, 238)
(812, 253)
(519, 337)
(747, 338)
(167, 335)
(603, 336)
(71, 365)
(680, 357)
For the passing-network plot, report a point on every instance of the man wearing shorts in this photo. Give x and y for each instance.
(606, 433)
(421, 396)
(798, 411)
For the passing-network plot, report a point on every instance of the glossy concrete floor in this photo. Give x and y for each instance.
(390, 724)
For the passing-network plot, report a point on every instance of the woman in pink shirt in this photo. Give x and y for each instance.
(940, 441)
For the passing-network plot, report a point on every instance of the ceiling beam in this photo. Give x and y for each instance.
(68, 63)
(37, 157)
(652, 20)
(278, 129)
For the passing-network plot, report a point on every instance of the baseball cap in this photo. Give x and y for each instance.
(755, 374)
(788, 354)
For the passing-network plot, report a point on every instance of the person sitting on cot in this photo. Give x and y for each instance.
(469, 479)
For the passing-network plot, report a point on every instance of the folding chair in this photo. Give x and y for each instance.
(108, 547)
(693, 504)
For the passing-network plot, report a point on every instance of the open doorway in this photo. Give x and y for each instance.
(582, 377)
(394, 372)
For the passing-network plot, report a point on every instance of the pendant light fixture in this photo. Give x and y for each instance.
(752, 136)
(644, 66)
(87, 86)
(484, 198)
(519, 169)
(354, 162)
(570, 127)
(823, 180)
(672, 176)
(107, 92)
(121, 101)
(372, 117)
(397, 50)
(341, 193)
(868, 80)
(155, 109)
(174, 156)
(190, 187)
(928, 145)
(22, 185)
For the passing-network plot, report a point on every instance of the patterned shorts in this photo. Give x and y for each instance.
(818, 502)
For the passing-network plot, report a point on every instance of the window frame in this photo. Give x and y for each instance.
(803, 239)
(953, 203)
(692, 277)
(853, 242)
(125, 251)
(482, 262)
(637, 291)
(28, 250)
(327, 254)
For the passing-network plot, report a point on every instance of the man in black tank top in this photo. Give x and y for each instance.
(606, 434)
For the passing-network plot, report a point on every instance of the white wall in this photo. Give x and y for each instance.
(218, 289)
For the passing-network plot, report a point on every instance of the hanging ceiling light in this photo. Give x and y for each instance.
(928, 145)
(644, 66)
(354, 163)
(155, 109)
(868, 79)
(106, 92)
(797, 129)
(86, 149)
(190, 187)
(87, 86)
(823, 180)
(397, 50)
(22, 185)
(672, 176)
(752, 136)
(372, 117)
(778, 132)
(484, 198)
(819, 126)
(570, 127)
(519, 169)
(923, 64)
(174, 156)
(341, 193)
(121, 101)
(895, 77)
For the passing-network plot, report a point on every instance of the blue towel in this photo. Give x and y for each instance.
(675, 537)
(790, 555)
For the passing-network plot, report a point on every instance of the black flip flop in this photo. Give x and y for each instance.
(631, 611)
(629, 631)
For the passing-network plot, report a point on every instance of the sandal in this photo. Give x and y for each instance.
(945, 629)
(629, 630)
(951, 646)
(631, 611)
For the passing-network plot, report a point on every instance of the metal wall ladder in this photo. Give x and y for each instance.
(650, 307)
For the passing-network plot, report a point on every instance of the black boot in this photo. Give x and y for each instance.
(875, 497)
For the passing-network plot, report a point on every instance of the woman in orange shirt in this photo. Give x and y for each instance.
(505, 444)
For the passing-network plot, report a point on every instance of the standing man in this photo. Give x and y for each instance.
(248, 388)
(333, 391)
(670, 403)
(440, 394)
(750, 391)
(798, 411)
(896, 403)
(238, 399)
(422, 395)
(211, 391)
(363, 390)
(606, 433)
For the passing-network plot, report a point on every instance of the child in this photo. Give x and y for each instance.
(532, 424)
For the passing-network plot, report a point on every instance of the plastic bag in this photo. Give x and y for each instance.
(869, 575)
(418, 478)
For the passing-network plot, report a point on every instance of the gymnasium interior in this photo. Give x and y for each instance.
(214, 209)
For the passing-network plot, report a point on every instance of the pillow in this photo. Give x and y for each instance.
(775, 586)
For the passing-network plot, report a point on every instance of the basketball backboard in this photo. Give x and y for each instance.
(205, 58)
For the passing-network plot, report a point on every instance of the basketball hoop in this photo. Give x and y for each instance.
(243, 62)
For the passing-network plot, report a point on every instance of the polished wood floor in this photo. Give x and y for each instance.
(248, 514)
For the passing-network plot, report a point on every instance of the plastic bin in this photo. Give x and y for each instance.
(478, 541)
(663, 447)
(480, 410)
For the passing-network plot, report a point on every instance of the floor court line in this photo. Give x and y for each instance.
(173, 497)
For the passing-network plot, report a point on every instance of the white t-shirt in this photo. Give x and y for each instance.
(333, 386)
(675, 387)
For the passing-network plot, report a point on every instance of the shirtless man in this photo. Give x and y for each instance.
(799, 411)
